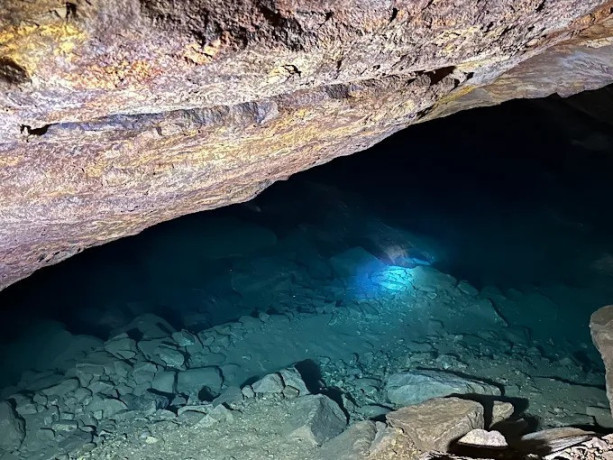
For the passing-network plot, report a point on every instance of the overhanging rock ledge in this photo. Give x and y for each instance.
(118, 115)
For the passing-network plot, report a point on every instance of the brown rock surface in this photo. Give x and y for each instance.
(601, 328)
(435, 424)
(119, 115)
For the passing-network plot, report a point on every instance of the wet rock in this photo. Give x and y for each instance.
(62, 388)
(121, 346)
(248, 392)
(269, 384)
(483, 438)
(217, 414)
(292, 378)
(146, 327)
(230, 397)
(353, 443)
(144, 372)
(192, 381)
(164, 382)
(414, 387)
(316, 419)
(354, 262)
(429, 279)
(434, 424)
(468, 288)
(104, 407)
(501, 411)
(601, 415)
(552, 440)
(163, 352)
(601, 328)
(12, 428)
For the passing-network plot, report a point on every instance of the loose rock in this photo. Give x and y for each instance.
(415, 387)
(316, 418)
(12, 428)
(433, 425)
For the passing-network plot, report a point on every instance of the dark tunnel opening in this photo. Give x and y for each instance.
(475, 246)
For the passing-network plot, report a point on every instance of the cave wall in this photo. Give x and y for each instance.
(119, 115)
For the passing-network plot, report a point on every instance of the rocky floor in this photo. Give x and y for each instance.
(375, 341)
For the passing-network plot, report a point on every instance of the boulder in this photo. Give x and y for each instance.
(352, 444)
(269, 384)
(316, 419)
(601, 328)
(12, 428)
(164, 382)
(434, 424)
(501, 411)
(292, 378)
(414, 387)
(121, 346)
(192, 381)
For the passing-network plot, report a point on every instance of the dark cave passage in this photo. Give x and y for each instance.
(476, 245)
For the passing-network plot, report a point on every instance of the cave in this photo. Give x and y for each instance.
(306, 230)
(463, 256)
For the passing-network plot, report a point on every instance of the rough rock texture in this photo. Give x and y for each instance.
(119, 115)
(601, 328)
(434, 424)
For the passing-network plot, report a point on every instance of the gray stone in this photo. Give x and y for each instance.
(352, 444)
(354, 262)
(170, 357)
(316, 419)
(248, 392)
(150, 326)
(103, 407)
(434, 424)
(144, 372)
(230, 397)
(192, 381)
(121, 346)
(269, 384)
(217, 414)
(483, 438)
(468, 288)
(12, 428)
(552, 440)
(62, 388)
(414, 387)
(501, 411)
(292, 378)
(164, 382)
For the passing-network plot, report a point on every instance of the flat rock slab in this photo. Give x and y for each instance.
(415, 387)
(435, 424)
(552, 440)
(316, 419)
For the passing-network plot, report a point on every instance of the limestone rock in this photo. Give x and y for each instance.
(193, 381)
(12, 428)
(121, 346)
(552, 440)
(482, 438)
(316, 419)
(601, 328)
(269, 384)
(292, 378)
(84, 135)
(414, 387)
(501, 411)
(352, 444)
(433, 425)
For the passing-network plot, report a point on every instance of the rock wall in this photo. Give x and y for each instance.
(119, 115)
(601, 327)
